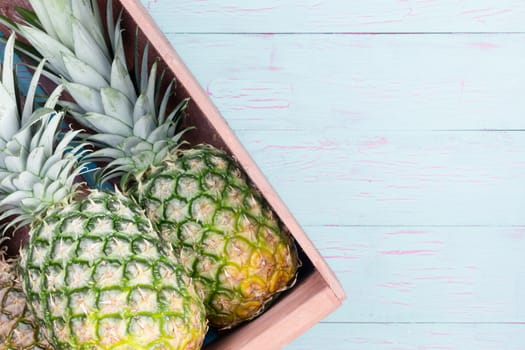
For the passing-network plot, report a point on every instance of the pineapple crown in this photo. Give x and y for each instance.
(134, 127)
(34, 172)
(39, 170)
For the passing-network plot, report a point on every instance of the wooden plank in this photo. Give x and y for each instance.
(264, 16)
(361, 82)
(411, 337)
(426, 274)
(338, 177)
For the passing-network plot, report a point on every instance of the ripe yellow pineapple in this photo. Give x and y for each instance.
(228, 238)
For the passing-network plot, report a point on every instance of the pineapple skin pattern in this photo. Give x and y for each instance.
(227, 237)
(18, 329)
(96, 275)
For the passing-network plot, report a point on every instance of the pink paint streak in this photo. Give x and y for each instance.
(408, 232)
(484, 45)
(345, 257)
(399, 303)
(378, 142)
(208, 90)
(276, 106)
(244, 9)
(148, 5)
(434, 242)
(433, 268)
(395, 284)
(492, 14)
(408, 252)
(463, 293)
(265, 35)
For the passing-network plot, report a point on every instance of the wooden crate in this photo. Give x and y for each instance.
(317, 292)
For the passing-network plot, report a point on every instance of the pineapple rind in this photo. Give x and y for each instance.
(106, 278)
(226, 236)
(18, 329)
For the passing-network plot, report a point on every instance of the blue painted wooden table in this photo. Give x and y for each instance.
(393, 130)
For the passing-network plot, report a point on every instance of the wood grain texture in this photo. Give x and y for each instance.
(411, 337)
(395, 178)
(300, 16)
(361, 82)
(427, 274)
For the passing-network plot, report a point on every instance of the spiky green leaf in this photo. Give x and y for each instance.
(67, 141)
(121, 80)
(60, 13)
(107, 124)
(104, 140)
(8, 76)
(36, 160)
(164, 103)
(52, 99)
(151, 90)
(48, 47)
(47, 138)
(119, 52)
(82, 73)
(31, 92)
(144, 126)
(158, 134)
(15, 198)
(14, 164)
(90, 51)
(52, 169)
(86, 11)
(9, 120)
(87, 98)
(177, 114)
(110, 22)
(105, 154)
(140, 107)
(144, 69)
(43, 17)
(25, 180)
(117, 105)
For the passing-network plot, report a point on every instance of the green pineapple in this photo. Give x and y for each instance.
(230, 242)
(95, 273)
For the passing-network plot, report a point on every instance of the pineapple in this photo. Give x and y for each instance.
(18, 329)
(230, 242)
(95, 272)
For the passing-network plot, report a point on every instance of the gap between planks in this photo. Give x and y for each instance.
(423, 323)
(343, 33)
